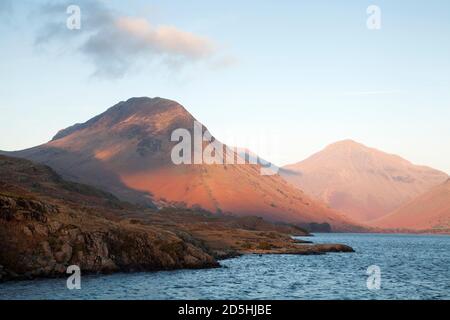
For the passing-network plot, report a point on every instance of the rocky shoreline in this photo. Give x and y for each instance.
(41, 240)
(48, 224)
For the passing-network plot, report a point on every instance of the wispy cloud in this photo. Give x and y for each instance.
(371, 93)
(115, 44)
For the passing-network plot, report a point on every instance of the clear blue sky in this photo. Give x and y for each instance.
(308, 73)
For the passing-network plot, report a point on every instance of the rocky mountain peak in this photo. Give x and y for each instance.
(134, 111)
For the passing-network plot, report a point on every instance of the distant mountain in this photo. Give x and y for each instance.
(429, 211)
(127, 151)
(363, 182)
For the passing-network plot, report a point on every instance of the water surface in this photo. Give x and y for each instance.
(412, 267)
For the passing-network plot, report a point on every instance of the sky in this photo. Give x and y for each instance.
(284, 78)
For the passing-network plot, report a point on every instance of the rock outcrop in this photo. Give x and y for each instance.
(48, 224)
(40, 240)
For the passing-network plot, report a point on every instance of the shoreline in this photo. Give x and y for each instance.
(305, 249)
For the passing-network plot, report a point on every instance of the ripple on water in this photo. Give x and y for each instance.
(412, 266)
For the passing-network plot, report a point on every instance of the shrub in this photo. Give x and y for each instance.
(264, 246)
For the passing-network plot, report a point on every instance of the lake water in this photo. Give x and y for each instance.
(412, 267)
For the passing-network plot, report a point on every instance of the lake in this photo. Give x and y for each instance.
(412, 267)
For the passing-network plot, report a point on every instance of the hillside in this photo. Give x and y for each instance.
(363, 182)
(429, 212)
(127, 151)
(47, 224)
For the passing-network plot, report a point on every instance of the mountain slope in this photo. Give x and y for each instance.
(126, 151)
(429, 211)
(48, 224)
(362, 182)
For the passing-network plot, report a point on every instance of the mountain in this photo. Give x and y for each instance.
(429, 211)
(363, 182)
(127, 151)
(48, 224)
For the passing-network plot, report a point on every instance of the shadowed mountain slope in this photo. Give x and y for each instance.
(48, 224)
(127, 151)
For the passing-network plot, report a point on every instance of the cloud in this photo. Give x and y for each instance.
(371, 93)
(115, 44)
(166, 39)
(225, 62)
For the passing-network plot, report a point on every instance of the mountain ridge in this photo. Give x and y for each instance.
(363, 182)
(126, 151)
